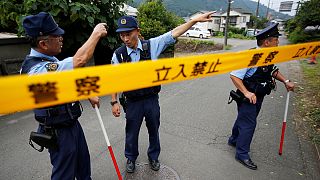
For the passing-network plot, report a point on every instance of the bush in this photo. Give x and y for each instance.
(298, 35)
(236, 30)
(155, 20)
(77, 18)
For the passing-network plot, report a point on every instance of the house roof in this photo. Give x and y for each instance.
(240, 10)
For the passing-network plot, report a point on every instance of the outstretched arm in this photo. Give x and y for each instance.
(178, 31)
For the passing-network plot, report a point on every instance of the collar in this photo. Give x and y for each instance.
(130, 50)
(36, 53)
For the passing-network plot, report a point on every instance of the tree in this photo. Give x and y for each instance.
(259, 22)
(77, 18)
(155, 20)
(309, 14)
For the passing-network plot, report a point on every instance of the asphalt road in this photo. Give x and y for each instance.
(195, 124)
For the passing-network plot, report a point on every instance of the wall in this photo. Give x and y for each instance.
(12, 52)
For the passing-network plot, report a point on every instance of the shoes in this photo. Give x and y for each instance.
(248, 163)
(155, 164)
(130, 166)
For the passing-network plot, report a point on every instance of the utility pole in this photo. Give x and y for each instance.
(226, 25)
(268, 10)
(298, 6)
(257, 14)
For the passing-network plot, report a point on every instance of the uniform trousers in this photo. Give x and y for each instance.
(137, 110)
(244, 127)
(71, 160)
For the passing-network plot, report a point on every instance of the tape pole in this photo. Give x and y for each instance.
(284, 123)
(23, 92)
(108, 143)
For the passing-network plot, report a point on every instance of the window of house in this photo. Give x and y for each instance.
(233, 20)
(244, 19)
(217, 21)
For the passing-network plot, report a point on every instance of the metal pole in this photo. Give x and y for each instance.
(108, 143)
(257, 14)
(284, 124)
(268, 10)
(226, 25)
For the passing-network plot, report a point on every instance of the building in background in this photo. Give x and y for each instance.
(238, 18)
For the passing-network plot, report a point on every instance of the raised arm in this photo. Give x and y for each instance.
(178, 31)
(84, 54)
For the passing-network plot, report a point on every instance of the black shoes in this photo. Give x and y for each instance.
(155, 164)
(130, 166)
(248, 163)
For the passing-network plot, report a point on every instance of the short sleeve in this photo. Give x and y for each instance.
(160, 43)
(239, 73)
(44, 67)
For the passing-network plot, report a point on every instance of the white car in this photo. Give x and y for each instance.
(250, 32)
(197, 32)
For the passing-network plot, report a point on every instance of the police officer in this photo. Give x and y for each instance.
(71, 158)
(254, 83)
(143, 103)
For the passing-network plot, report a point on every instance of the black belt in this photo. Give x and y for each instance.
(49, 112)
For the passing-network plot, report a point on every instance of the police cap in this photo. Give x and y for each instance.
(270, 31)
(127, 23)
(40, 25)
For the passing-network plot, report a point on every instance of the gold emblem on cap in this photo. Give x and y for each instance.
(123, 21)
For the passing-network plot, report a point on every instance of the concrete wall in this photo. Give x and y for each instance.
(12, 52)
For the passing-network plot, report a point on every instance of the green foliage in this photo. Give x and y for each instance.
(155, 20)
(298, 36)
(308, 98)
(9, 16)
(290, 25)
(219, 34)
(309, 14)
(241, 36)
(77, 18)
(259, 23)
(196, 42)
(236, 30)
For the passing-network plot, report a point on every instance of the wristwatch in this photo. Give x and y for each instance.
(113, 102)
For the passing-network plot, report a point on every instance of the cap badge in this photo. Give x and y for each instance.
(123, 21)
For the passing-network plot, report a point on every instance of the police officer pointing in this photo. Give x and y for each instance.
(143, 103)
(59, 125)
(254, 83)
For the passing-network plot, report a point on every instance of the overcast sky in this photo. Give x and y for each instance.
(275, 4)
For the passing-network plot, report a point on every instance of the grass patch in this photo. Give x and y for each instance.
(228, 47)
(234, 35)
(196, 45)
(309, 98)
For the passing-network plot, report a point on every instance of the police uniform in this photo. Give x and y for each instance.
(142, 103)
(257, 80)
(71, 158)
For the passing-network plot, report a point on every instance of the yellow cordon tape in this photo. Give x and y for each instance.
(23, 92)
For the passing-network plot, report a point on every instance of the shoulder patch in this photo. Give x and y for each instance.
(52, 66)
